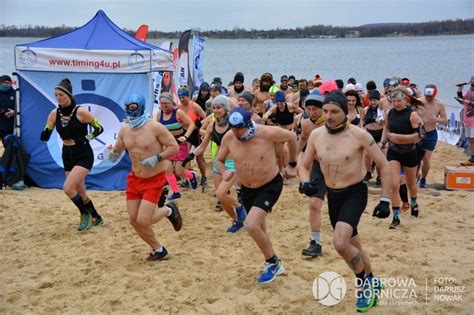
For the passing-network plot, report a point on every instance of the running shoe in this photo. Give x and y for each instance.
(175, 217)
(365, 297)
(155, 255)
(241, 213)
(467, 163)
(270, 272)
(378, 181)
(237, 225)
(203, 181)
(218, 207)
(367, 177)
(423, 183)
(194, 181)
(414, 210)
(185, 184)
(162, 200)
(174, 196)
(97, 221)
(395, 223)
(313, 250)
(377, 287)
(85, 223)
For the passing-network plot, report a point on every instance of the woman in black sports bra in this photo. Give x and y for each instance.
(71, 122)
(355, 107)
(282, 113)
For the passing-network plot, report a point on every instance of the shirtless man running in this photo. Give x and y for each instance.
(432, 112)
(149, 144)
(339, 149)
(252, 147)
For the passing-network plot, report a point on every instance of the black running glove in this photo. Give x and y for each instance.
(308, 189)
(382, 210)
(187, 159)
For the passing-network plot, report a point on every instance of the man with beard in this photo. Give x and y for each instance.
(284, 87)
(238, 88)
(262, 94)
(432, 112)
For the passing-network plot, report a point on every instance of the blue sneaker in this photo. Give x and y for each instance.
(194, 181)
(270, 272)
(237, 225)
(365, 297)
(423, 183)
(174, 196)
(241, 213)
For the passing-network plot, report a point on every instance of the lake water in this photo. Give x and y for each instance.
(442, 60)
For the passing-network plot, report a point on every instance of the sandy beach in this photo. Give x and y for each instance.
(48, 267)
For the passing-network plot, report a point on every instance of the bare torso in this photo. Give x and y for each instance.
(142, 143)
(340, 156)
(255, 159)
(430, 111)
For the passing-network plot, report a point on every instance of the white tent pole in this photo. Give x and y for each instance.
(17, 120)
(150, 92)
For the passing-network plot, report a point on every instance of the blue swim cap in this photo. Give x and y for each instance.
(138, 99)
(280, 97)
(240, 118)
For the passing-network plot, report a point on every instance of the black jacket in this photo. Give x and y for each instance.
(7, 101)
(14, 162)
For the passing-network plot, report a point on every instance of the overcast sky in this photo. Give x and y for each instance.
(179, 15)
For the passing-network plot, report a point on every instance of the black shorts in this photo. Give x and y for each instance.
(347, 205)
(376, 134)
(78, 154)
(317, 179)
(263, 197)
(195, 138)
(407, 159)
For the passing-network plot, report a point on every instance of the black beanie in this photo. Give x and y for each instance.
(374, 95)
(340, 83)
(65, 86)
(247, 96)
(239, 77)
(371, 85)
(337, 98)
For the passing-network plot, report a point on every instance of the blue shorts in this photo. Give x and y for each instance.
(229, 164)
(428, 143)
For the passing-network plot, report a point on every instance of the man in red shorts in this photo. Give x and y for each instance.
(148, 144)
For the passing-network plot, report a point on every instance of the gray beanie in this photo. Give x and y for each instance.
(314, 100)
(247, 96)
(222, 101)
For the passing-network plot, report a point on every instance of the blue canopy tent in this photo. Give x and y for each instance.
(105, 65)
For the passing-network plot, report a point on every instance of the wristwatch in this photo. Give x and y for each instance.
(158, 158)
(292, 164)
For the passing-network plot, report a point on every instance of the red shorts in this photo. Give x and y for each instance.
(149, 189)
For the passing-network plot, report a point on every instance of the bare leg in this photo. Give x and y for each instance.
(142, 215)
(256, 227)
(346, 249)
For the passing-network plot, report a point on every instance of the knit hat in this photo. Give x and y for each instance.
(314, 100)
(327, 86)
(247, 96)
(240, 118)
(337, 98)
(222, 101)
(374, 95)
(239, 77)
(267, 77)
(5, 78)
(65, 86)
(371, 85)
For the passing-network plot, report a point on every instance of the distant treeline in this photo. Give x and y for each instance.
(449, 27)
